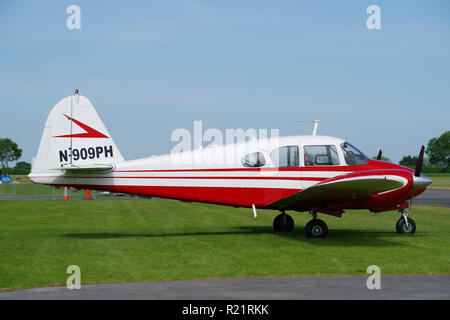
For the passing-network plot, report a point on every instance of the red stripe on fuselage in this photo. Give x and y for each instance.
(188, 177)
(232, 196)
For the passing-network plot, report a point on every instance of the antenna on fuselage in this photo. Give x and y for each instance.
(316, 125)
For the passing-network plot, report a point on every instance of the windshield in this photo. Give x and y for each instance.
(352, 155)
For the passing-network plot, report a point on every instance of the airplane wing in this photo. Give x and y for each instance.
(343, 188)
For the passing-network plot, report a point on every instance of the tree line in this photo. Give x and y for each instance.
(438, 152)
(10, 152)
(438, 156)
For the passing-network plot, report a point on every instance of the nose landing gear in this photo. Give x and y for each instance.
(405, 225)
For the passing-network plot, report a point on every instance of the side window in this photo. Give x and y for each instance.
(321, 155)
(285, 156)
(255, 159)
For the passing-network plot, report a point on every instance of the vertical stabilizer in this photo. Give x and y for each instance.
(74, 135)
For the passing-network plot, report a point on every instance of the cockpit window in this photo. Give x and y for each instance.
(285, 156)
(321, 155)
(252, 160)
(352, 155)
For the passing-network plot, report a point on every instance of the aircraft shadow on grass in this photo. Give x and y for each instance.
(336, 238)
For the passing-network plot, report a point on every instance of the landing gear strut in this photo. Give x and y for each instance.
(405, 225)
(316, 228)
(283, 223)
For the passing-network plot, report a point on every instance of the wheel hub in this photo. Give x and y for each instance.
(407, 227)
(316, 230)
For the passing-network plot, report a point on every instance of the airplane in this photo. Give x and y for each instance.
(307, 173)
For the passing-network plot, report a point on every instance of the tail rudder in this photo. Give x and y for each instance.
(74, 136)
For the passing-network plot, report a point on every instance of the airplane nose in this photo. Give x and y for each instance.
(421, 182)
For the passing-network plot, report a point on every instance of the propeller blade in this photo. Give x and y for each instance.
(419, 162)
(380, 153)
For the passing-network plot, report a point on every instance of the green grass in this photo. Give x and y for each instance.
(441, 182)
(115, 241)
(24, 187)
(437, 174)
(21, 178)
(35, 190)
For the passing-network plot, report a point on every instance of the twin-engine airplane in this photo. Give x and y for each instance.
(315, 174)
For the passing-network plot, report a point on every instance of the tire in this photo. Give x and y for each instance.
(281, 225)
(316, 229)
(402, 228)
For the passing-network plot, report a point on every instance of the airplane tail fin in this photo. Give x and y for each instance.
(74, 137)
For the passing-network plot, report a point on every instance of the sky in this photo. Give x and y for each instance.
(151, 67)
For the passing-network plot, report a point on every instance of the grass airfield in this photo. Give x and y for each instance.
(133, 240)
(440, 181)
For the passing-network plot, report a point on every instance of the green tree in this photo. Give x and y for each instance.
(22, 165)
(383, 158)
(9, 151)
(408, 161)
(438, 151)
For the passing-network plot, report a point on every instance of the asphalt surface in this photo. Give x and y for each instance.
(332, 288)
(434, 197)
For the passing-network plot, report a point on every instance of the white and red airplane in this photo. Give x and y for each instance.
(315, 174)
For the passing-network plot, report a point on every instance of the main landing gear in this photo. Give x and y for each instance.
(405, 225)
(283, 223)
(316, 228)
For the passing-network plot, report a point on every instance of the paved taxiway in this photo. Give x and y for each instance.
(392, 287)
(434, 197)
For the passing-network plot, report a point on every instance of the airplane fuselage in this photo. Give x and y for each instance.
(208, 176)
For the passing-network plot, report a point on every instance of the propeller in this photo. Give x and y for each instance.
(380, 154)
(419, 162)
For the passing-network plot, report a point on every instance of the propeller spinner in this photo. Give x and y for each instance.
(420, 181)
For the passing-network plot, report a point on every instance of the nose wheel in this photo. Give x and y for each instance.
(405, 225)
(283, 223)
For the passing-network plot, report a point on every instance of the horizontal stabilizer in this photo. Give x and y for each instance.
(95, 167)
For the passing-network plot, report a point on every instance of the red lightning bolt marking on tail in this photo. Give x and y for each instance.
(90, 132)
